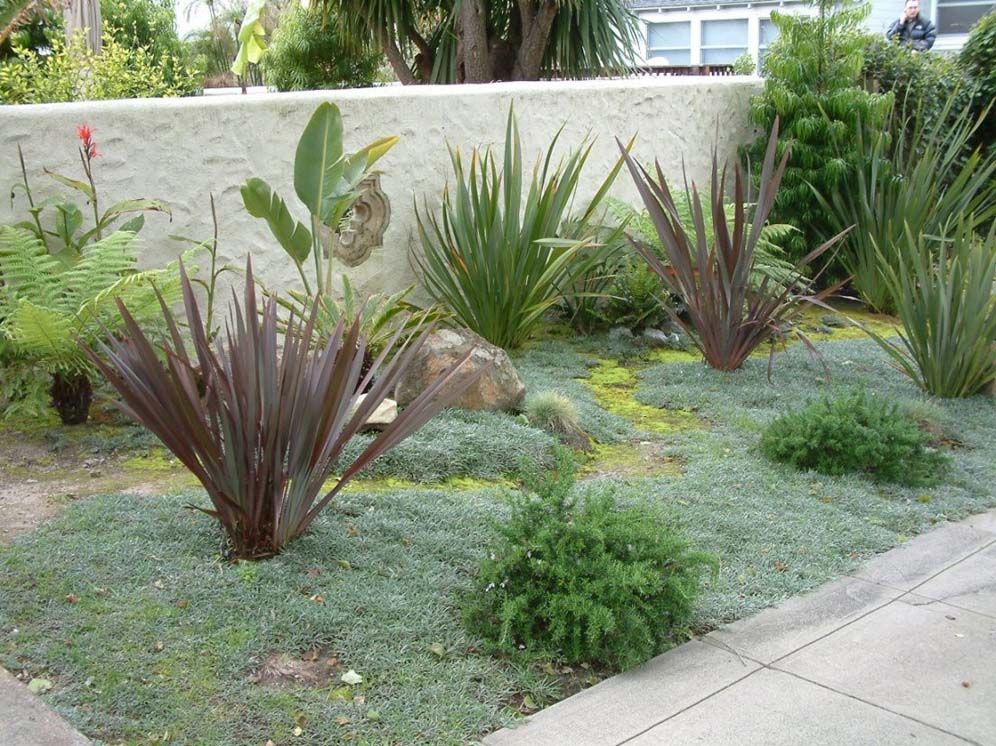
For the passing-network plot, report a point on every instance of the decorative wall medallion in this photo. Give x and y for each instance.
(364, 232)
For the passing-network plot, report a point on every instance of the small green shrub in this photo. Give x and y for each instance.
(151, 25)
(308, 53)
(71, 72)
(582, 581)
(854, 433)
(919, 82)
(744, 65)
(637, 297)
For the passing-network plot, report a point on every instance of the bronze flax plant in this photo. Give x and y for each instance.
(259, 426)
(710, 270)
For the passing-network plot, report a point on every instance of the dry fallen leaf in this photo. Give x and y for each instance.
(73, 598)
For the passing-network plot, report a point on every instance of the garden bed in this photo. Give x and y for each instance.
(147, 633)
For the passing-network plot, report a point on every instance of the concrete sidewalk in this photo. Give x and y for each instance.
(903, 651)
(25, 720)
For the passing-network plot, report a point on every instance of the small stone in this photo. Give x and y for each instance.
(383, 415)
(659, 339)
(620, 332)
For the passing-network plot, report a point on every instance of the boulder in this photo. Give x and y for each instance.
(499, 389)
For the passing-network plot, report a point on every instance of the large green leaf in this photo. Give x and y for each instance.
(252, 38)
(262, 202)
(319, 148)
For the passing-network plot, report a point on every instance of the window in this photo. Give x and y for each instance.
(723, 41)
(958, 16)
(767, 33)
(670, 41)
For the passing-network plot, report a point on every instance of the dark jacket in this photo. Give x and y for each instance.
(918, 33)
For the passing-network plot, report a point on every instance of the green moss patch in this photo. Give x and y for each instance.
(615, 386)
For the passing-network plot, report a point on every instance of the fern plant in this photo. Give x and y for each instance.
(47, 308)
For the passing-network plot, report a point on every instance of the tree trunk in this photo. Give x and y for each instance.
(536, 26)
(396, 59)
(476, 54)
(72, 394)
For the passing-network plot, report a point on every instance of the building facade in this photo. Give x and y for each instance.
(699, 32)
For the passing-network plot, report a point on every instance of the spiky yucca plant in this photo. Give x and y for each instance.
(47, 306)
(260, 417)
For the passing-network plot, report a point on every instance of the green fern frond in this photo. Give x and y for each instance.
(27, 269)
(45, 335)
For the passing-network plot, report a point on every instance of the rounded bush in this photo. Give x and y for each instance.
(854, 433)
(579, 580)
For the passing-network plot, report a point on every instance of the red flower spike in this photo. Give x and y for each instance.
(85, 133)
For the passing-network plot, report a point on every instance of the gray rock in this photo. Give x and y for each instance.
(499, 389)
(620, 332)
(667, 340)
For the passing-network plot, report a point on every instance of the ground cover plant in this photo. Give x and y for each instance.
(172, 641)
(854, 432)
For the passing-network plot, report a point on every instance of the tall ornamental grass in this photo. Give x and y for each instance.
(710, 270)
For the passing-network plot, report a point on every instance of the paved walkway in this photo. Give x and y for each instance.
(25, 720)
(902, 652)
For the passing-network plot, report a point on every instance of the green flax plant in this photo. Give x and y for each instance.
(499, 256)
(945, 295)
(919, 184)
(728, 317)
(261, 417)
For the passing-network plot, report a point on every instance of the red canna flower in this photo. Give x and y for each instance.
(85, 133)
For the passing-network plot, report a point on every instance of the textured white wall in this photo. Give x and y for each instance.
(182, 150)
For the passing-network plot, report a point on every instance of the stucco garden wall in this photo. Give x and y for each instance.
(181, 151)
